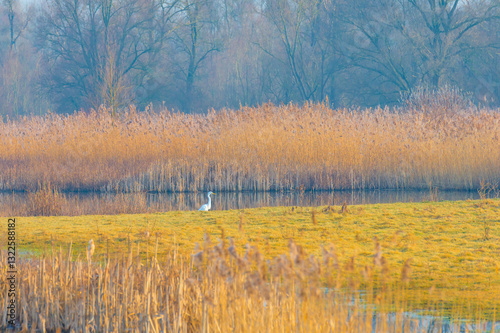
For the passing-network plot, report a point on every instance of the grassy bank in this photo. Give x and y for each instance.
(452, 247)
(264, 148)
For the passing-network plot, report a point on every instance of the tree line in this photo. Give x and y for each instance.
(191, 55)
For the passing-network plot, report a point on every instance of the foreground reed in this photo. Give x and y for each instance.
(219, 290)
(262, 149)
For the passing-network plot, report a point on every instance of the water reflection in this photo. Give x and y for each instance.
(250, 200)
(97, 203)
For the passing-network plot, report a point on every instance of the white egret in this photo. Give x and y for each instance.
(206, 207)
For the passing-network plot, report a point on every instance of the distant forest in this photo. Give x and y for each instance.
(193, 55)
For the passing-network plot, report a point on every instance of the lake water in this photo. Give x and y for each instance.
(98, 203)
(224, 201)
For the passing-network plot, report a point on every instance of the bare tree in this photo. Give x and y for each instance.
(19, 70)
(407, 43)
(447, 23)
(198, 54)
(303, 29)
(16, 26)
(480, 73)
(195, 39)
(374, 48)
(99, 50)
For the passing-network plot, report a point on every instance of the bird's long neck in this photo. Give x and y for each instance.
(209, 201)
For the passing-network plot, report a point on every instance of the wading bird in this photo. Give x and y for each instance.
(206, 207)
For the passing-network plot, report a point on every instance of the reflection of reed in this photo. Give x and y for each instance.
(132, 203)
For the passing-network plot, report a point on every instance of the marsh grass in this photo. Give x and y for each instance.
(50, 202)
(45, 201)
(266, 148)
(453, 264)
(487, 190)
(221, 288)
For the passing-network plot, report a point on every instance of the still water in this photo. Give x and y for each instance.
(224, 201)
(96, 203)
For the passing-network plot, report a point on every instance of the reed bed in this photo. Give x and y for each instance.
(266, 148)
(217, 290)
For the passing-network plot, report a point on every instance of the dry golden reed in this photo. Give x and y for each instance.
(263, 148)
(46, 201)
(313, 217)
(217, 290)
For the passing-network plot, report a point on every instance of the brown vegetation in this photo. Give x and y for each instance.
(220, 290)
(48, 201)
(264, 148)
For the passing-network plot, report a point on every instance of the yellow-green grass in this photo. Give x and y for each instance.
(454, 246)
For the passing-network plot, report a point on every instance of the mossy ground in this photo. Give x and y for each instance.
(454, 246)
